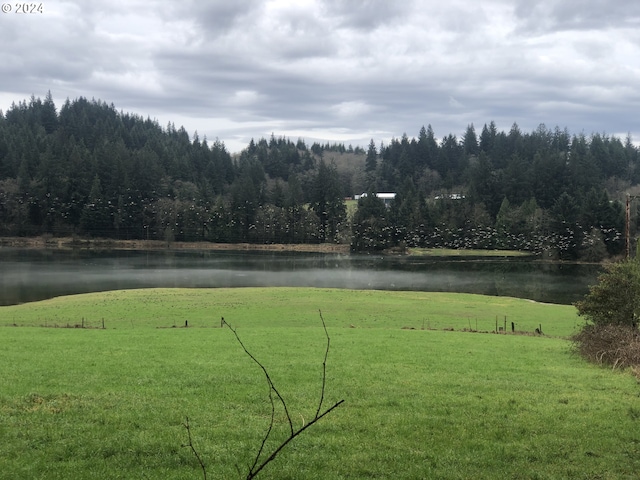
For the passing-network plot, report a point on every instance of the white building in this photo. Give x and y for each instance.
(385, 197)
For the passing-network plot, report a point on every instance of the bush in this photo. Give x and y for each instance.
(617, 345)
(615, 299)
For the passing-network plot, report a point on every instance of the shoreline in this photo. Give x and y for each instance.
(71, 243)
(102, 244)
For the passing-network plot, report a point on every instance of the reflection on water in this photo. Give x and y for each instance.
(28, 275)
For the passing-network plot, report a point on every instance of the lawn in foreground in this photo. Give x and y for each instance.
(89, 403)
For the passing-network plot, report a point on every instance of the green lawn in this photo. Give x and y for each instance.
(462, 252)
(92, 403)
(130, 309)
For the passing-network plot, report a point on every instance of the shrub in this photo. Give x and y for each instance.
(615, 299)
(617, 345)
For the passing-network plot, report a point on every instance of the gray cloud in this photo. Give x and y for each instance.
(334, 70)
(365, 14)
(555, 15)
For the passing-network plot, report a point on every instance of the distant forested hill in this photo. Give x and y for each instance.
(87, 169)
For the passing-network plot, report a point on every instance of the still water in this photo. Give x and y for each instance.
(29, 275)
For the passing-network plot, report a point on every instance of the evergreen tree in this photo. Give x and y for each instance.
(327, 201)
(450, 163)
(488, 137)
(485, 184)
(470, 141)
(48, 116)
(96, 219)
(370, 224)
(372, 157)
(427, 148)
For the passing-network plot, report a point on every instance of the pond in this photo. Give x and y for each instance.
(29, 275)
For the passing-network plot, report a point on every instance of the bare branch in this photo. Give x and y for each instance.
(255, 472)
(193, 449)
(324, 364)
(255, 467)
(266, 437)
(266, 374)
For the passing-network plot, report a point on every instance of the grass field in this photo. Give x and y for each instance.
(290, 307)
(465, 252)
(92, 403)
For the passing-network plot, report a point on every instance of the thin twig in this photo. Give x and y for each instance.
(255, 468)
(266, 374)
(266, 437)
(272, 389)
(324, 364)
(255, 472)
(193, 449)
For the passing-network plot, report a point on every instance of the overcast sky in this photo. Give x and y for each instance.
(334, 70)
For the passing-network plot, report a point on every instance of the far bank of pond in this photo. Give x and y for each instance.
(101, 244)
(29, 274)
(73, 243)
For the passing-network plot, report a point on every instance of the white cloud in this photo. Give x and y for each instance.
(244, 98)
(353, 108)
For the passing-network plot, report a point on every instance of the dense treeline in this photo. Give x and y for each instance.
(91, 170)
(88, 169)
(544, 191)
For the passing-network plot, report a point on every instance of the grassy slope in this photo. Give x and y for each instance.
(418, 404)
(293, 307)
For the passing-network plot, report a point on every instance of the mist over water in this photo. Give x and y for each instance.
(28, 275)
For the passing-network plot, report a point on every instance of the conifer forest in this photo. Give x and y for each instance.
(86, 169)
